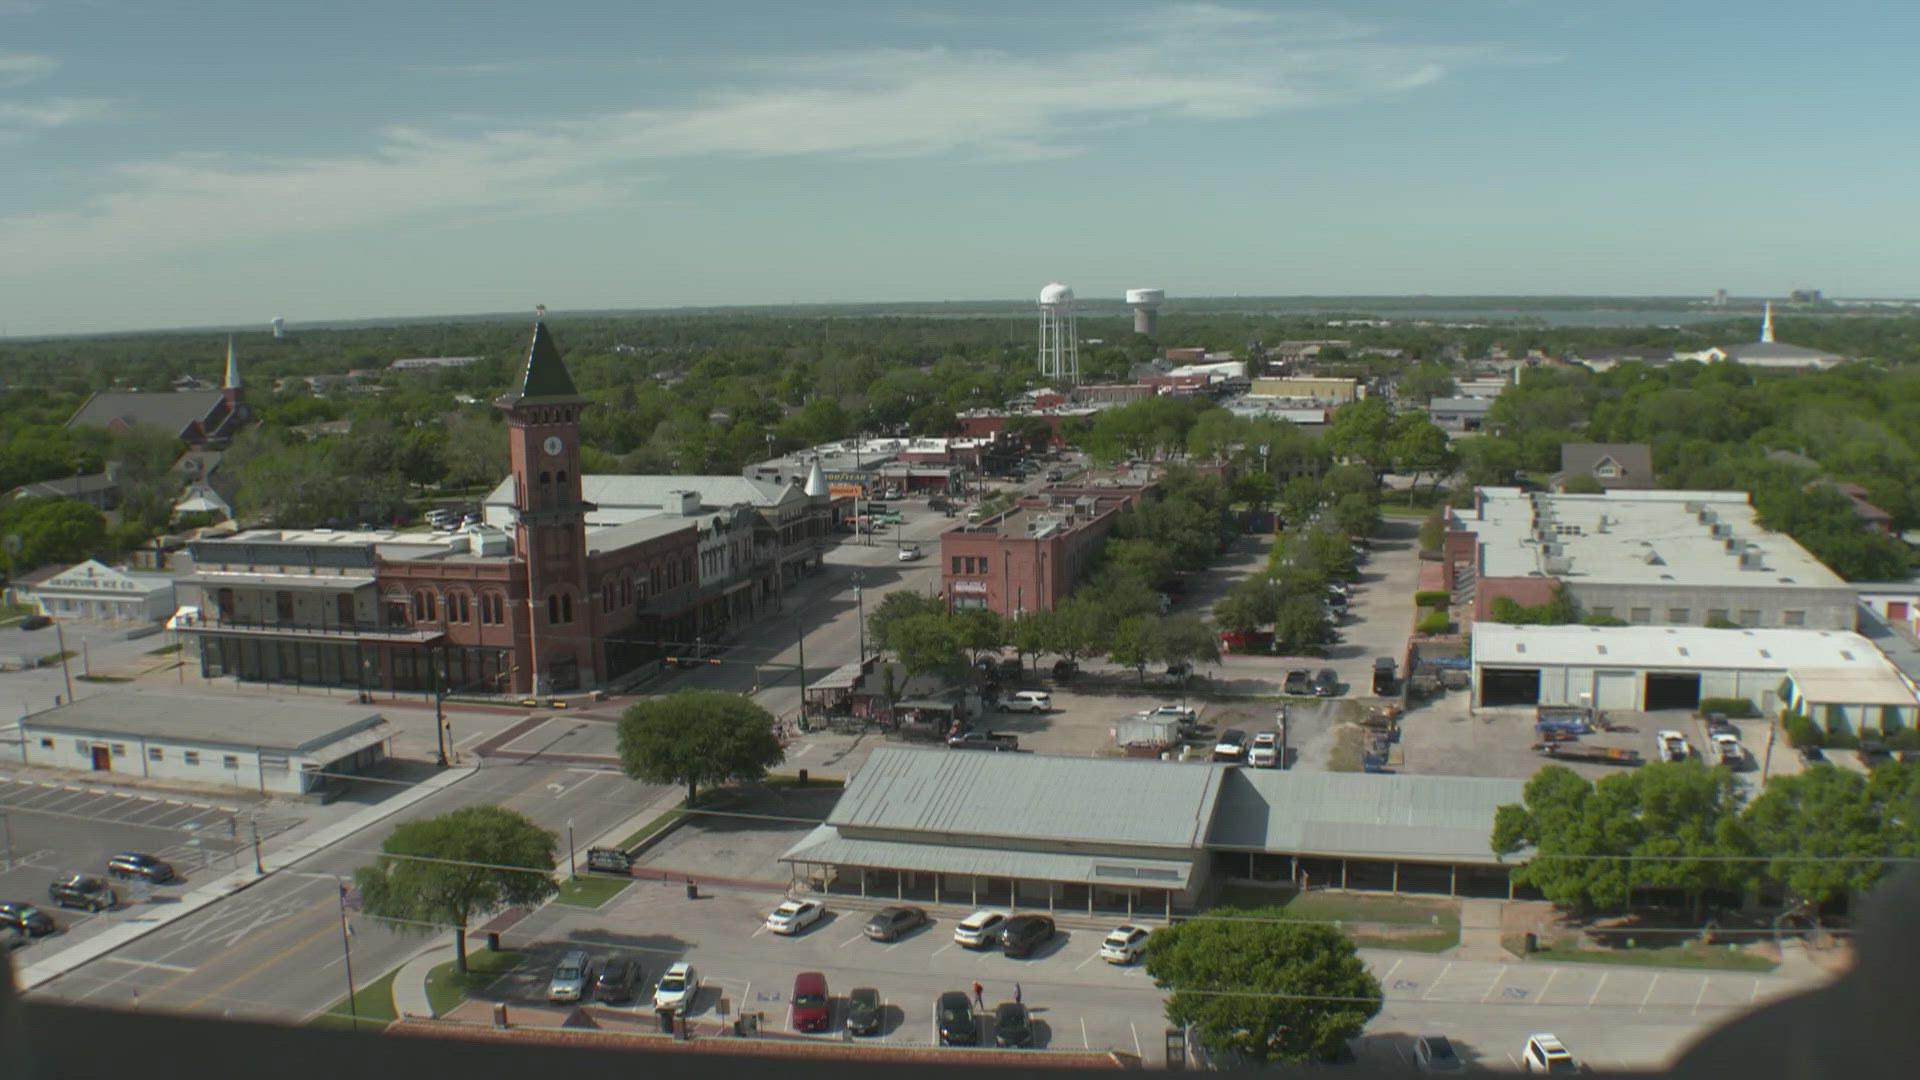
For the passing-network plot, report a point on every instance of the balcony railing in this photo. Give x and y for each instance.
(203, 624)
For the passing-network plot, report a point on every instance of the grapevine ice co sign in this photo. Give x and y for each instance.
(977, 588)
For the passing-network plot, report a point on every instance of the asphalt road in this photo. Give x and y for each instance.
(275, 950)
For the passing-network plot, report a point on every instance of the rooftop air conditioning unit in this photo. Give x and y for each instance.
(1752, 560)
(1722, 530)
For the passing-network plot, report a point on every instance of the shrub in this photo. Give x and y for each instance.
(1432, 598)
(1840, 740)
(1721, 622)
(1602, 620)
(1904, 738)
(1433, 622)
(1733, 707)
(1800, 731)
(1433, 531)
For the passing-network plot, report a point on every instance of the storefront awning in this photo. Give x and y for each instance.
(825, 846)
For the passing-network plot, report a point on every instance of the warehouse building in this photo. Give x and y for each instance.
(1834, 677)
(269, 744)
(1141, 837)
(1648, 558)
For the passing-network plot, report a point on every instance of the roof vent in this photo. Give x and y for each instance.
(1601, 649)
(1684, 652)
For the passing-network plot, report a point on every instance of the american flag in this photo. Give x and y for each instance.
(349, 898)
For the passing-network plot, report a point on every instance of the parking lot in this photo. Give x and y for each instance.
(1612, 1017)
(57, 827)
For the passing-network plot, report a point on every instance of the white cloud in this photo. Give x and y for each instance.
(1198, 63)
(19, 69)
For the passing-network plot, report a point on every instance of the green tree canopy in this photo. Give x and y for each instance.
(893, 609)
(1271, 990)
(930, 643)
(698, 737)
(449, 870)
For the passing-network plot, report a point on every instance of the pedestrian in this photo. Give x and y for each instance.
(978, 1001)
(1016, 993)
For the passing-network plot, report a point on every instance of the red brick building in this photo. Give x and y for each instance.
(1031, 557)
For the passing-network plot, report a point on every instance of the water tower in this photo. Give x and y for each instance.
(1059, 343)
(1146, 309)
(279, 327)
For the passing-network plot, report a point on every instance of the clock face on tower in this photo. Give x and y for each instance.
(553, 446)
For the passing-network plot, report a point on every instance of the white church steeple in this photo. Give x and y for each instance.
(1766, 324)
(233, 366)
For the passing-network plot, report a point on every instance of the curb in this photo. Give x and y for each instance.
(233, 882)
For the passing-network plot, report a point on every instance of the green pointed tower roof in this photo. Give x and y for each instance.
(545, 380)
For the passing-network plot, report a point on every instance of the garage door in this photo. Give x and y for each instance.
(1673, 690)
(1615, 690)
(1509, 686)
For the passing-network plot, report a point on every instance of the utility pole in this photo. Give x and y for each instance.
(861, 613)
(258, 866)
(346, 952)
(6, 824)
(61, 632)
(439, 709)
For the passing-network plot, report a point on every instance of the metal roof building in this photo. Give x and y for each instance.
(1133, 835)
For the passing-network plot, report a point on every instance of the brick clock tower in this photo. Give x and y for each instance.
(550, 521)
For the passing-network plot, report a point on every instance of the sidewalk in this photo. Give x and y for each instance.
(139, 925)
(410, 985)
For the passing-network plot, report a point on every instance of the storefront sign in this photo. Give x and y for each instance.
(977, 588)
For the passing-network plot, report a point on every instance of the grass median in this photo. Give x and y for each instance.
(1375, 922)
(373, 1003)
(590, 892)
(1692, 954)
(447, 988)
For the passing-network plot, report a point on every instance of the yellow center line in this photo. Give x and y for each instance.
(270, 961)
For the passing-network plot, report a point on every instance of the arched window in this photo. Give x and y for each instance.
(424, 607)
(566, 607)
(553, 609)
(457, 609)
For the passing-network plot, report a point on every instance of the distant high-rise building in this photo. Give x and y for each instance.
(279, 327)
(1805, 296)
(1059, 339)
(1146, 309)
(1719, 298)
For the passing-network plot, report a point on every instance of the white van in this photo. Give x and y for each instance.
(1028, 701)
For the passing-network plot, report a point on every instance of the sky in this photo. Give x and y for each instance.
(208, 163)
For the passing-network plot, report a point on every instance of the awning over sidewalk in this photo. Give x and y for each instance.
(826, 846)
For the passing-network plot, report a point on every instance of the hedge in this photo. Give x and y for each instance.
(1734, 707)
(1434, 622)
(1801, 731)
(1432, 598)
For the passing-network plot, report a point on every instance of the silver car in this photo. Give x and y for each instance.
(570, 977)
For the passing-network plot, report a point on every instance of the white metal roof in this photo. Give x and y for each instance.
(827, 846)
(249, 721)
(1365, 815)
(1852, 686)
(1682, 647)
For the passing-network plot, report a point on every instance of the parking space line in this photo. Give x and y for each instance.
(1085, 1043)
(1397, 961)
(943, 948)
(1648, 996)
(933, 1025)
(851, 940)
(1435, 984)
(1596, 989)
(1490, 990)
(1137, 1052)
(1699, 997)
(1541, 994)
(1755, 996)
(1087, 961)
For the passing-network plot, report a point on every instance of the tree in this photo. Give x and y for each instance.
(895, 608)
(1422, 383)
(1362, 431)
(697, 737)
(1488, 460)
(1581, 484)
(1132, 644)
(1076, 628)
(1418, 447)
(52, 529)
(1826, 835)
(475, 450)
(1301, 622)
(1028, 635)
(928, 643)
(1270, 989)
(981, 632)
(1185, 639)
(449, 870)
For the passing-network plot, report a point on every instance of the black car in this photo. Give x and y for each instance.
(27, 919)
(890, 922)
(1298, 682)
(618, 977)
(135, 864)
(957, 1026)
(1011, 1025)
(1811, 754)
(82, 891)
(1025, 933)
(35, 622)
(1326, 683)
(863, 1010)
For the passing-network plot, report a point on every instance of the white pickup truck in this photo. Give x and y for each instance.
(1673, 746)
(1728, 751)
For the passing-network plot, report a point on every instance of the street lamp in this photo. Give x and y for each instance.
(572, 870)
(861, 608)
(439, 710)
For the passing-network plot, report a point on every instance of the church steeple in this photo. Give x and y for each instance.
(233, 366)
(545, 380)
(1766, 324)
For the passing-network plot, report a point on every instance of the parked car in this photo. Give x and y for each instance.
(1435, 1054)
(957, 1025)
(889, 923)
(1124, 944)
(569, 981)
(1728, 751)
(811, 1003)
(981, 929)
(83, 891)
(1672, 746)
(678, 988)
(135, 864)
(864, 1016)
(1232, 746)
(1545, 1053)
(1812, 755)
(36, 622)
(26, 918)
(1326, 683)
(909, 553)
(793, 916)
(1299, 682)
(1027, 701)
(1265, 753)
(1384, 673)
(617, 980)
(984, 740)
(1025, 933)
(10, 938)
(1011, 1025)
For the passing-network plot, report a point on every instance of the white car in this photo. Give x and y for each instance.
(1266, 750)
(909, 553)
(1673, 746)
(1547, 1054)
(793, 916)
(1728, 751)
(678, 987)
(1027, 701)
(980, 930)
(1124, 944)
(1172, 712)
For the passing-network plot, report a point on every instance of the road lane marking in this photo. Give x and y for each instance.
(276, 958)
(149, 964)
(1137, 1052)
(1542, 993)
(1699, 997)
(1596, 989)
(1648, 996)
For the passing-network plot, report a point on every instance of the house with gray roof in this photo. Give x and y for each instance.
(1611, 465)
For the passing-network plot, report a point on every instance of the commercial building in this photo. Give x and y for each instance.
(1139, 836)
(1649, 558)
(1836, 678)
(1029, 558)
(1324, 390)
(276, 745)
(94, 591)
(1459, 415)
(575, 582)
